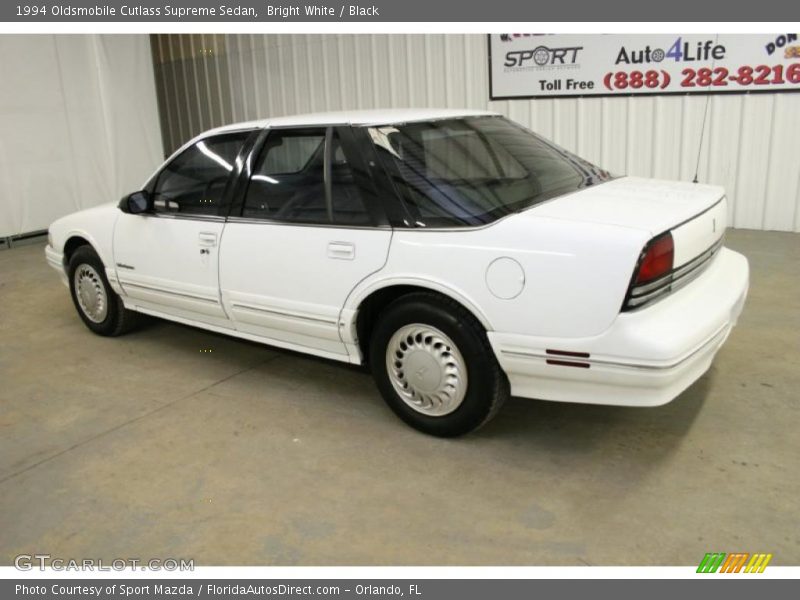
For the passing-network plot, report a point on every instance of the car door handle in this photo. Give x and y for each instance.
(207, 238)
(341, 250)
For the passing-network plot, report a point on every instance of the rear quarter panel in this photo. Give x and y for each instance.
(576, 274)
(700, 233)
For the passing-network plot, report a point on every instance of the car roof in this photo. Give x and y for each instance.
(355, 117)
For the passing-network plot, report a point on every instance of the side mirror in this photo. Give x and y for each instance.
(136, 203)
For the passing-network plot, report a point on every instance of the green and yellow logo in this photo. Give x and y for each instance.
(738, 562)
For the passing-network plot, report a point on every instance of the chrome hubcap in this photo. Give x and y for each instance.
(426, 369)
(91, 293)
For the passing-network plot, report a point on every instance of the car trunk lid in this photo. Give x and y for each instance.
(695, 214)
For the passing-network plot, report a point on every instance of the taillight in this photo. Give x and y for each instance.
(658, 259)
(656, 274)
(652, 278)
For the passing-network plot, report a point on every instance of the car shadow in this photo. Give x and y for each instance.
(542, 425)
(638, 436)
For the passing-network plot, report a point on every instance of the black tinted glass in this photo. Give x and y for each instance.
(473, 171)
(288, 182)
(346, 197)
(195, 181)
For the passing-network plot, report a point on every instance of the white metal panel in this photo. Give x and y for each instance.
(747, 140)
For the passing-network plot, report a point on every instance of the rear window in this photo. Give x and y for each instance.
(472, 171)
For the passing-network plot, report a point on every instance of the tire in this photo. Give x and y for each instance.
(100, 308)
(436, 341)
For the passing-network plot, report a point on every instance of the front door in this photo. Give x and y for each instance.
(308, 232)
(167, 260)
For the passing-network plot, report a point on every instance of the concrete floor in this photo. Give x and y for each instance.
(146, 446)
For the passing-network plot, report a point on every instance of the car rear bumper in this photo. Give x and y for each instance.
(646, 358)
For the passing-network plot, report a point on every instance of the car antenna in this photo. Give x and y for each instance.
(703, 128)
(700, 145)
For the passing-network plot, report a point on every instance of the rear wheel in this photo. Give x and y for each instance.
(434, 366)
(100, 308)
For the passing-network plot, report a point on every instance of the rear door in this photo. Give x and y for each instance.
(167, 260)
(308, 230)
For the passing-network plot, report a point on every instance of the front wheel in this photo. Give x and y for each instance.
(434, 366)
(100, 308)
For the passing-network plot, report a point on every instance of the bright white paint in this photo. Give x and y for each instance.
(645, 358)
(372, 117)
(78, 124)
(749, 141)
(170, 269)
(288, 283)
(301, 287)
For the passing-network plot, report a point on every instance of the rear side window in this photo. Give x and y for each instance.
(475, 170)
(292, 153)
(304, 176)
(194, 182)
(347, 200)
(288, 181)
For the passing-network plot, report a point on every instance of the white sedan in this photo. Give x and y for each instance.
(459, 255)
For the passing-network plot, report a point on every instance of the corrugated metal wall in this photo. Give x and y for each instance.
(749, 142)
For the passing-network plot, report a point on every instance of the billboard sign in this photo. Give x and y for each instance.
(534, 66)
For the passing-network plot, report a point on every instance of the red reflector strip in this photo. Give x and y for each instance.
(568, 353)
(567, 363)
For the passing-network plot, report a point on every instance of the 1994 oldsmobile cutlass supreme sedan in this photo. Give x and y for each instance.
(459, 255)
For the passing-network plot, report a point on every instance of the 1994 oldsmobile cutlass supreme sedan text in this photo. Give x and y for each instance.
(460, 256)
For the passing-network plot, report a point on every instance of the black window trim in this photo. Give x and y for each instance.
(231, 184)
(394, 213)
(326, 173)
(374, 203)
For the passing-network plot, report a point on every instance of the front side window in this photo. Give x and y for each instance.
(304, 176)
(194, 182)
(472, 171)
